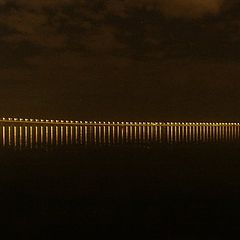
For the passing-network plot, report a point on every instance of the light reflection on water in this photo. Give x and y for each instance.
(36, 136)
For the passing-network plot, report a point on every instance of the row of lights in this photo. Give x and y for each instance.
(202, 123)
(38, 120)
(118, 123)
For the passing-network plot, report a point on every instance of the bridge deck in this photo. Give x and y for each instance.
(107, 123)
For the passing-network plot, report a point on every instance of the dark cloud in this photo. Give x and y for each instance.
(87, 26)
(170, 8)
(190, 8)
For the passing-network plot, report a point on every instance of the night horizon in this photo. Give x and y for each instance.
(120, 119)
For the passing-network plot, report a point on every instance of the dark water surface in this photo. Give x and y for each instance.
(156, 190)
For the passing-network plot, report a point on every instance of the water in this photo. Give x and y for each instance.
(154, 182)
(48, 136)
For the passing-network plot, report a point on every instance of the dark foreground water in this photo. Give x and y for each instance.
(159, 191)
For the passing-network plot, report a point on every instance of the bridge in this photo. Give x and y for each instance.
(25, 121)
(22, 133)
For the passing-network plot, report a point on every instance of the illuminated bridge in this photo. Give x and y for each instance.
(36, 133)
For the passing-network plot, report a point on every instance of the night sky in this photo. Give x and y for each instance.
(166, 60)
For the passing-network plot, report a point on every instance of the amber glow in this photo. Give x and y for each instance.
(30, 133)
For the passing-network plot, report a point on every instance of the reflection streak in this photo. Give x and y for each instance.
(35, 136)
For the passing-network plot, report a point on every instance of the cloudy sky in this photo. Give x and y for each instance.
(120, 59)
